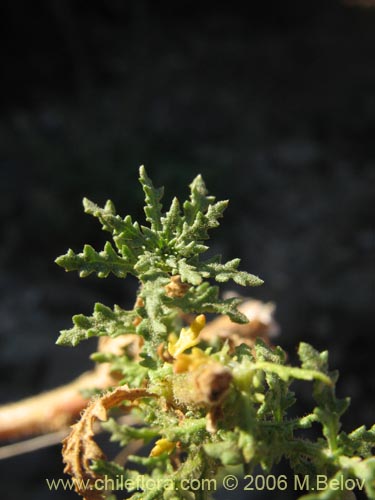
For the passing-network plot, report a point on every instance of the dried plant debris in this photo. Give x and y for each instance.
(80, 448)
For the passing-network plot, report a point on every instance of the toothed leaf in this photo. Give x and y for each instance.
(152, 197)
(103, 322)
(199, 199)
(90, 261)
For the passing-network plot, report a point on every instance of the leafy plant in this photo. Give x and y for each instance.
(200, 410)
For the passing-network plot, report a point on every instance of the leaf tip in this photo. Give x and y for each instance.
(142, 172)
(258, 281)
(59, 261)
(85, 202)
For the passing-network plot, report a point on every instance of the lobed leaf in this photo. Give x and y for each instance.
(103, 322)
(189, 273)
(125, 433)
(172, 221)
(199, 200)
(205, 299)
(224, 272)
(89, 261)
(153, 208)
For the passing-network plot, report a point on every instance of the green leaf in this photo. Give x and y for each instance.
(330, 408)
(125, 433)
(189, 273)
(243, 352)
(103, 322)
(172, 221)
(287, 372)
(205, 299)
(198, 229)
(311, 359)
(228, 271)
(195, 298)
(152, 197)
(107, 215)
(130, 234)
(227, 452)
(134, 374)
(199, 199)
(265, 353)
(365, 470)
(214, 213)
(191, 430)
(127, 236)
(108, 469)
(89, 261)
(360, 442)
(153, 293)
(149, 266)
(228, 307)
(147, 361)
(247, 445)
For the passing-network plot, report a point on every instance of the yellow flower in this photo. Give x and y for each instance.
(189, 362)
(188, 336)
(162, 445)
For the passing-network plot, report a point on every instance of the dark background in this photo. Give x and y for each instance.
(273, 105)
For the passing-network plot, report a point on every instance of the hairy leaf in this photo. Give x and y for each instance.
(89, 261)
(103, 322)
(152, 196)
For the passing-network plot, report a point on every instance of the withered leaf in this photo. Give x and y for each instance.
(79, 447)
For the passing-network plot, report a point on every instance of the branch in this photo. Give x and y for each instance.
(49, 411)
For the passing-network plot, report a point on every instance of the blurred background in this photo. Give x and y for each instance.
(273, 104)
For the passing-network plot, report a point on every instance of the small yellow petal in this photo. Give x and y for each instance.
(162, 445)
(188, 336)
(189, 362)
(198, 324)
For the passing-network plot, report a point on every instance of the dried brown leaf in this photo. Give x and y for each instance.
(79, 447)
